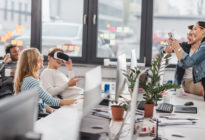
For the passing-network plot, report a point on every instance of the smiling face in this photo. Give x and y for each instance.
(198, 32)
(190, 37)
(54, 63)
(14, 53)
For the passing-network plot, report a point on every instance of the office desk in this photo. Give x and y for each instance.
(190, 132)
(63, 124)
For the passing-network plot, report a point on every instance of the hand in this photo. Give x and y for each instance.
(68, 64)
(7, 58)
(72, 101)
(168, 49)
(73, 81)
(173, 43)
(49, 109)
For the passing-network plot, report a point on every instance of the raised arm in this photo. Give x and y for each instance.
(184, 59)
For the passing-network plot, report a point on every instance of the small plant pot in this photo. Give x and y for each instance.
(117, 113)
(148, 111)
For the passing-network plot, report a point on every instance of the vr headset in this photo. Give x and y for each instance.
(61, 56)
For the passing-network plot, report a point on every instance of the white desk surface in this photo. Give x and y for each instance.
(63, 124)
(190, 132)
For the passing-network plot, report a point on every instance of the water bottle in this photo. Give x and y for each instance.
(106, 88)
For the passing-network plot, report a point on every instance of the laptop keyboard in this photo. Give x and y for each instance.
(165, 108)
(141, 105)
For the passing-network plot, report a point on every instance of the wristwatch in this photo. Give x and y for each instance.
(179, 49)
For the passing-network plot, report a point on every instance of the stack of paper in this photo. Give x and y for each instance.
(165, 121)
(180, 117)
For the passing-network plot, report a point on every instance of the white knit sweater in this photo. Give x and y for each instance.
(55, 82)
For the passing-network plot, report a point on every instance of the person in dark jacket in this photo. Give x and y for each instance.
(7, 70)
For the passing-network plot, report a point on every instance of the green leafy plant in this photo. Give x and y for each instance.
(153, 88)
(121, 103)
(131, 75)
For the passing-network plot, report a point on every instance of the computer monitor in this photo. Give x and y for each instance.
(131, 111)
(120, 78)
(17, 114)
(133, 62)
(92, 95)
(133, 106)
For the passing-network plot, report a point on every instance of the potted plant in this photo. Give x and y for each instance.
(131, 75)
(118, 108)
(152, 87)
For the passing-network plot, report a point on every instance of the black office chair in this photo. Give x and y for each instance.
(6, 91)
(42, 115)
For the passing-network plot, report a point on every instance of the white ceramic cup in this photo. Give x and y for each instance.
(106, 62)
(179, 91)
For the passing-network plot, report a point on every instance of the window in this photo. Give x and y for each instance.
(62, 26)
(174, 16)
(14, 30)
(12, 10)
(119, 25)
(26, 11)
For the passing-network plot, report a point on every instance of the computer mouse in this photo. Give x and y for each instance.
(189, 103)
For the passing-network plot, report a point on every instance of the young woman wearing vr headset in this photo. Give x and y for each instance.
(56, 82)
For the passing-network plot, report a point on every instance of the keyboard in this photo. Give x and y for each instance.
(141, 105)
(105, 102)
(165, 108)
(89, 136)
(101, 114)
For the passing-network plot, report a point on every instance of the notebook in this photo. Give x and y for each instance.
(185, 109)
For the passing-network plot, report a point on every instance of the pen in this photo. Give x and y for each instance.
(177, 135)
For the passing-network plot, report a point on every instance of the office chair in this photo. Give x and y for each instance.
(42, 115)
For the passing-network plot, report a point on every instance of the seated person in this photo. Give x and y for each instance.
(56, 82)
(27, 77)
(7, 69)
(185, 76)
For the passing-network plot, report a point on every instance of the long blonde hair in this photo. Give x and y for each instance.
(28, 65)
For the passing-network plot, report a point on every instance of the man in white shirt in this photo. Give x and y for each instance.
(55, 81)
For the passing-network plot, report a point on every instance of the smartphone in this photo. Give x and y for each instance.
(170, 35)
(8, 54)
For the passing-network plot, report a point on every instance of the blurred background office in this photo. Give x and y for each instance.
(92, 30)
